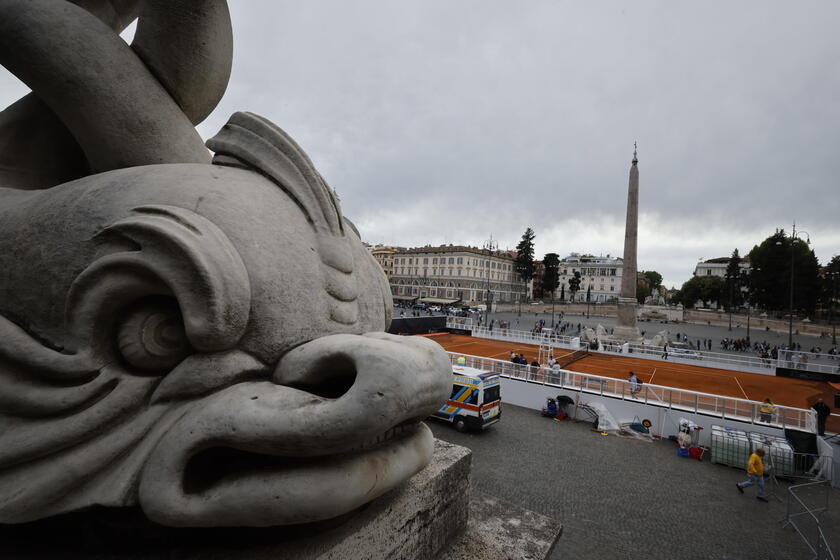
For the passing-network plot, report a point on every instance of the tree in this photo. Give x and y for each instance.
(524, 262)
(642, 292)
(701, 288)
(770, 280)
(830, 285)
(653, 278)
(551, 273)
(563, 293)
(574, 285)
(733, 281)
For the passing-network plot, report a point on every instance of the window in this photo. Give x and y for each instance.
(459, 272)
(460, 260)
(451, 260)
(426, 260)
(434, 260)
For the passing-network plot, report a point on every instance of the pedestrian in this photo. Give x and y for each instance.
(755, 475)
(665, 351)
(823, 411)
(766, 410)
(634, 384)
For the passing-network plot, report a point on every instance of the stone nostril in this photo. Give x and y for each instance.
(329, 376)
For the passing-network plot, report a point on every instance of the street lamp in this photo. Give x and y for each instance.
(834, 276)
(749, 296)
(490, 245)
(730, 279)
(793, 240)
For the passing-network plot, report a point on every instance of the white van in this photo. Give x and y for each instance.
(475, 402)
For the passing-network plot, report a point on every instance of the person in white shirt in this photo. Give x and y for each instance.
(634, 384)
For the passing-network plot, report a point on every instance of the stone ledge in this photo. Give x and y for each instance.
(498, 530)
(412, 522)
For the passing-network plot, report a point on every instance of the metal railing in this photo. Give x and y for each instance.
(719, 406)
(809, 361)
(804, 505)
(823, 363)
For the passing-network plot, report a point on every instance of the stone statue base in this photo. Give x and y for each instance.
(626, 329)
(416, 520)
(424, 518)
(502, 531)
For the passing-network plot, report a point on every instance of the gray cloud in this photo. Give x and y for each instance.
(441, 121)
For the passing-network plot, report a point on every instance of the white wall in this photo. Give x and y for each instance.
(664, 422)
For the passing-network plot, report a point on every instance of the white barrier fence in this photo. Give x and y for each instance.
(732, 408)
(809, 361)
(822, 363)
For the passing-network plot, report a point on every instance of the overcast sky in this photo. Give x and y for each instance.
(448, 121)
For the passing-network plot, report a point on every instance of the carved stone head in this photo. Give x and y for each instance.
(198, 339)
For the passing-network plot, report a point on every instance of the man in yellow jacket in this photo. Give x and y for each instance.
(755, 475)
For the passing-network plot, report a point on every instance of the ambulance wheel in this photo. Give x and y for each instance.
(460, 424)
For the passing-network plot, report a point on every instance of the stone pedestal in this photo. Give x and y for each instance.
(427, 517)
(499, 530)
(626, 328)
(415, 521)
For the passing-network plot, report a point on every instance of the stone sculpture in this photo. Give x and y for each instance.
(199, 340)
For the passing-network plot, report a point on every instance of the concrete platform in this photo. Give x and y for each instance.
(499, 530)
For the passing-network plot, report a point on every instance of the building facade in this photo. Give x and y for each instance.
(601, 275)
(452, 274)
(384, 255)
(717, 266)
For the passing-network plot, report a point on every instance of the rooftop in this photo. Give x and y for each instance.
(502, 254)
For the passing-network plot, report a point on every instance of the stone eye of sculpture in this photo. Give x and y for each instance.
(198, 339)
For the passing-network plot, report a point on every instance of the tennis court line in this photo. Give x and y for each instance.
(651, 376)
(739, 386)
(449, 347)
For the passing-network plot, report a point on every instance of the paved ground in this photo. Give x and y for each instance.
(694, 331)
(628, 499)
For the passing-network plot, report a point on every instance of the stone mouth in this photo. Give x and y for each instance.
(223, 465)
(243, 488)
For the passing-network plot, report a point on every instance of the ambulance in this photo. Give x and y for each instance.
(475, 402)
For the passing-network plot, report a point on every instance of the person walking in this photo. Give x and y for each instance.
(823, 411)
(766, 410)
(665, 351)
(755, 475)
(634, 384)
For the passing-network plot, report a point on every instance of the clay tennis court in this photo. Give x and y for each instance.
(781, 390)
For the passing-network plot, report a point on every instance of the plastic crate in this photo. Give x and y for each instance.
(730, 447)
(779, 455)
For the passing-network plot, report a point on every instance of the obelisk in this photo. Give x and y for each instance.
(626, 314)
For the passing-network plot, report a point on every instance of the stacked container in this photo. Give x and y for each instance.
(730, 447)
(778, 454)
